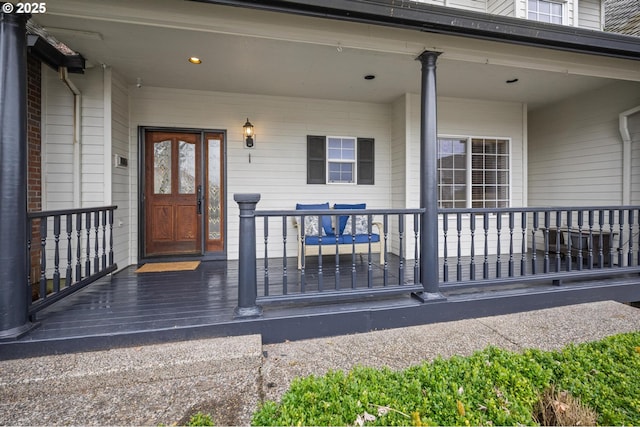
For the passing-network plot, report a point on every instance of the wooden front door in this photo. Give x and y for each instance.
(184, 193)
(173, 193)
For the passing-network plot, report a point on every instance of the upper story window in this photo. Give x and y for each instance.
(545, 11)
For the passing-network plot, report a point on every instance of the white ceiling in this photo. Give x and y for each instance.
(157, 54)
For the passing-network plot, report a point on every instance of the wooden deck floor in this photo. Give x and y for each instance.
(130, 302)
(136, 309)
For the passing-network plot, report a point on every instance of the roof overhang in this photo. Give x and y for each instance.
(452, 21)
(45, 52)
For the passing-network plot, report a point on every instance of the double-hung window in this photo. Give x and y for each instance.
(340, 160)
(473, 172)
(545, 11)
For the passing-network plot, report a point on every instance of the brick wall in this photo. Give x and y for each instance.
(34, 167)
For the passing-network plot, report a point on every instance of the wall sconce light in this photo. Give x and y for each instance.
(249, 136)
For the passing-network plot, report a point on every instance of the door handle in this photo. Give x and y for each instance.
(199, 197)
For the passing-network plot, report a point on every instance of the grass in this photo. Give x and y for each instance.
(200, 419)
(490, 387)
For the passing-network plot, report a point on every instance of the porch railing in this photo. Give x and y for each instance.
(493, 246)
(477, 248)
(348, 274)
(351, 275)
(68, 249)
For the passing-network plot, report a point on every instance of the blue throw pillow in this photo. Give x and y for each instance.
(342, 219)
(326, 219)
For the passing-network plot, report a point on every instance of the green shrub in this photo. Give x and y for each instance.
(490, 387)
(200, 419)
(604, 375)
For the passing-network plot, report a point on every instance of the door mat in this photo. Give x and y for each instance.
(157, 267)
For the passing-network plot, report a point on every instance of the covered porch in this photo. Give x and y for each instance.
(473, 240)
(264, 293)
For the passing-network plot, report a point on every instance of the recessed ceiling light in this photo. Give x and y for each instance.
(369, 77)
(195, 60)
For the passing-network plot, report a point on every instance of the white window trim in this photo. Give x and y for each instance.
(563, 3)
(468, 139)
(467, 166)
(354, 162)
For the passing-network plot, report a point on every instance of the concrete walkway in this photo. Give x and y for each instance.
(227, 377)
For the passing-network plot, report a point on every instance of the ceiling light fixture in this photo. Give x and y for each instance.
(195, 60)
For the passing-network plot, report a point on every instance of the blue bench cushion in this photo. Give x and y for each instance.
(326, 240)
(360, 238)
(344, 220)
(311, 223)
(344, 239)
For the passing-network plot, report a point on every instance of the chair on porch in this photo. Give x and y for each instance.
(336, 233)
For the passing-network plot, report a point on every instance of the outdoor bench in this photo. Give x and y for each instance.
(590, 243)
(334, 232)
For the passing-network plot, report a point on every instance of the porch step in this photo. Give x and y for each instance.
(134, 386)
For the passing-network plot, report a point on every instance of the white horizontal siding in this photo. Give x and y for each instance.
(61, 149)
(501, 7)
(121, 177)
(58, 148)
(477, 5)
(398, 163)
(277, 167)
(575, 149)
(590, 14)
(91, 85)
(57, 141)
